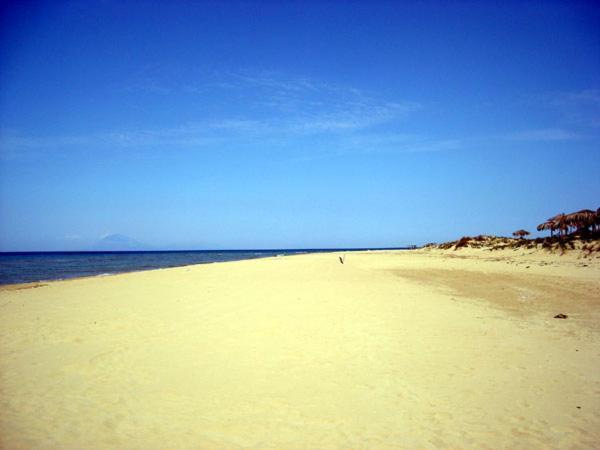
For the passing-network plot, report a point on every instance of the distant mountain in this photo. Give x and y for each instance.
(118, 242)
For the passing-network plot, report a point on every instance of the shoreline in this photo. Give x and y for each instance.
(39, 283)
(12, 286)
(448, 252)
(17, 286)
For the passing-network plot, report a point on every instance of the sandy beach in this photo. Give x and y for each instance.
(413, 349)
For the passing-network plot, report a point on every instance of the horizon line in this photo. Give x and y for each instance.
(406, 247)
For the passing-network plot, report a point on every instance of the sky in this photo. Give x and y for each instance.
(228, 125)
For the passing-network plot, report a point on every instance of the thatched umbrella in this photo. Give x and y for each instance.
(585, 214)
(521, 233)
(596, 221)
(554, 223)
(546, 226)
(560, 223)
(582, 220)
(571, 221)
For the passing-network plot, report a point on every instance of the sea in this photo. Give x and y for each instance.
(27, 267)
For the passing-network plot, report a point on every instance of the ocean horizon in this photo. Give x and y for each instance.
(39, 266)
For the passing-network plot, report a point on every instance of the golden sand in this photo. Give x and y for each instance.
(420, 349)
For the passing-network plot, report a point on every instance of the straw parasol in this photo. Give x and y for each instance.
(546, 226)
(560, 223)
(584, 219)
(521, 233)
(581, 221)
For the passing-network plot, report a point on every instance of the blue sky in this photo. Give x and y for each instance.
(294, 124)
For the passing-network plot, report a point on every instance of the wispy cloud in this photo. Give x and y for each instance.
(586, 97)
(330, 118)
(579, 108)
(294, 104)
(270, 107)
(332, 137)
(323, 105)
(543, 135)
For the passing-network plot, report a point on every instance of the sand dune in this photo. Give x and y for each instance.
(420, 349)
